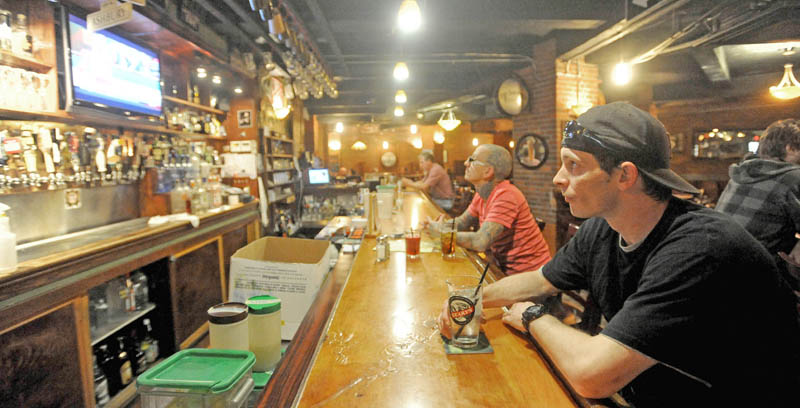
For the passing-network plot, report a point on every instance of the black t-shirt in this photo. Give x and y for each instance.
(699, 295)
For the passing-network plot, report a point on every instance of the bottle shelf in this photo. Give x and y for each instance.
(118, 322)
(280, 155)
(282, 198)
(18, 61)
(126, 395)
(279, 139)
(184, 102)
(277, 170)
(285, 183)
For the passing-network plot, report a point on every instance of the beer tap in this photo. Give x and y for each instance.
(114, 158)
(72, 156)
(44, 139)
(12, 146)
(30, 157)
(58, 159)
(3, 161)
(84, 154)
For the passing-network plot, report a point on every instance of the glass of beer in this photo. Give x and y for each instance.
(412, 244)
(465, 308)
(447, 237)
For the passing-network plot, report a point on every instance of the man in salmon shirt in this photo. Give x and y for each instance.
(436, 182)
(500, 213)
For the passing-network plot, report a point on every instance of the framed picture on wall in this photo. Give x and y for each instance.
(531, 151)
(245, 118)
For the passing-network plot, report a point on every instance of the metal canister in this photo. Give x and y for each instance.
(382, 248)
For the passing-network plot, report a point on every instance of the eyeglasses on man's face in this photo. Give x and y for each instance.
(472, 161)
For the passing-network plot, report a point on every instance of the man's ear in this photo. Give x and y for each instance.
(628, 174)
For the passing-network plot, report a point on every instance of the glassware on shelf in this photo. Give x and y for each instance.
(140, 290)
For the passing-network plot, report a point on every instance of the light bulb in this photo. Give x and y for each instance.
(400, 96)
(335, 145)
(398, 111)
(474, 141)
(413, 129)
(438, 137)
(511, 144)
(409, 18)
(385, 145)
(400, 72)
(622, 73)
(417, 143)
(339, 127)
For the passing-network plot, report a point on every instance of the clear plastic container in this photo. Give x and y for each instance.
(199, 378)
(264, 322)
(228, 327)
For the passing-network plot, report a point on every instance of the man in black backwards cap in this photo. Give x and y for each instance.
(697, 312)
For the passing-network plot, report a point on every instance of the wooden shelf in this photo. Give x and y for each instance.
(281, 198)
(279, 139)
(275, 171)
(183, 102)
(18, 61)
(280, 155)
(285, 183)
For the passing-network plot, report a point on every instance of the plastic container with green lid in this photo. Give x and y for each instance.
(265, 331)
(202, 378)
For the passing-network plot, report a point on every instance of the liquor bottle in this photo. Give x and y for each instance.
(195, 94)
(149, 343)
(140, 290)
(110, 368)
(101, 396)
(137, 356)
(125, 369)
(22, 42)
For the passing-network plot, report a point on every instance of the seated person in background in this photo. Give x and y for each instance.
(506, 225)
(436, 182)
(763, 194)
(698, 315)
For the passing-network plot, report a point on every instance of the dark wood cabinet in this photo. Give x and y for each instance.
(197, 281)
(45, 360)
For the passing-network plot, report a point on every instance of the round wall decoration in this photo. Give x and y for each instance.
(531, 151)
(511, 96)
(388, 159)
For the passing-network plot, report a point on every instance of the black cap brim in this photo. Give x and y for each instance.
(670, 179)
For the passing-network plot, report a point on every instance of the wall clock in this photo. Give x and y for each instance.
(388, 159)
(511, 96)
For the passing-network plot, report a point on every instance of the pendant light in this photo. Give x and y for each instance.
(438, 137)
(335, 145)
(448, 121)
(788, 88)
(400, 72)
(409, 17)
(400, 96)
(417, 143)
(399, 111)
(359, 145)
(339, 127)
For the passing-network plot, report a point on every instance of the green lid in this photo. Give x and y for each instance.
(264, 304)
(386, 187)
(260, 379)
(208, 371)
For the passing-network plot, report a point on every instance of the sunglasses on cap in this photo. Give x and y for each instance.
(578, 137)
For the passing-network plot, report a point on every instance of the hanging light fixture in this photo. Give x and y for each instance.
(788, 88)
(400, 72)
(385, 145)
(398, 111)
(438, 137)
(448, 121)
(282, 112)
(339, 127)
(417, 143)
(335, 145)
(359, 145)
(622, 73)
(400, 96)
(413, 129)
(409, 17)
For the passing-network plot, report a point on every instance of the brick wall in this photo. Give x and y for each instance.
(553, 86)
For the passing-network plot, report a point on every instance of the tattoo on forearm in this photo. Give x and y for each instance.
(465, 221)
(482, 239)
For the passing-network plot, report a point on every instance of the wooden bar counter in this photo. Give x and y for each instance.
(380, 345)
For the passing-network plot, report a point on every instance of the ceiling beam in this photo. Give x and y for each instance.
(714, 64)
(325, 28)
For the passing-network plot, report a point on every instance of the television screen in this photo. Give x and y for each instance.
(110, 71)
(318, 176)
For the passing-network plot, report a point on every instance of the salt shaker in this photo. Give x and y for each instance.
(382, 248)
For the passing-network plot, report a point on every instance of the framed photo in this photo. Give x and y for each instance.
(531, 151)
(244, 118)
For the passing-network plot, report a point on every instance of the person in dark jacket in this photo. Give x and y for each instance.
(763, 194)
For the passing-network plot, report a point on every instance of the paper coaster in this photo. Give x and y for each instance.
(483, 346)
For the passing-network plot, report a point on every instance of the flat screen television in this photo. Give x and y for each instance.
(111, 72)
(318, 176)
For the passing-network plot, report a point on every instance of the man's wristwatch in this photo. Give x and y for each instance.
(532, 313)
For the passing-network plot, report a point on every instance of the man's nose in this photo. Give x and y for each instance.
(559, 179)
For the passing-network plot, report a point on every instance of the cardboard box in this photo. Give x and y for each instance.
(288, 268)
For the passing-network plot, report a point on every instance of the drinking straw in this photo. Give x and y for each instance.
(486, 269)
(453, 238)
